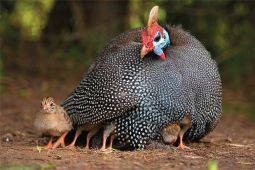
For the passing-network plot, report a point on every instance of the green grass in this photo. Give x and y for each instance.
(239, 109)
(48, 166)
(212, 165)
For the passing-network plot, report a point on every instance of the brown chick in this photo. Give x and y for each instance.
(53, 120)
(171, 132)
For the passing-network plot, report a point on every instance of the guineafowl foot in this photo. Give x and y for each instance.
(103, 148)
(182, 146)
(89, 135)
(62, 144)
(71, 147)
(106, 150)
(77, 134)
(86, 147)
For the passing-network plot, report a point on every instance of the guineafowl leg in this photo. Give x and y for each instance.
(111, 141)
(60, 141)
(89, 135)
(49, 145)
(104, 142)
(77, 134)
(108, 130)
(181, 145)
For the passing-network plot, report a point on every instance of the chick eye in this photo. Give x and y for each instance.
(51, 104)
(157, 38)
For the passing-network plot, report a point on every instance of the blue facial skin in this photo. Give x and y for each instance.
(157, 50)
(161, 42)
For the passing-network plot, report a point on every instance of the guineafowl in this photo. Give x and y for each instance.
(142, 96)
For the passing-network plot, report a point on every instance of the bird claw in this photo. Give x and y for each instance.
(86, 147)
(182, 146)
(62, 144)
(107, 150)
(70, 147)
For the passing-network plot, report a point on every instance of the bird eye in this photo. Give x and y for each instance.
(51, 104)
(164, 36)
(157, 38)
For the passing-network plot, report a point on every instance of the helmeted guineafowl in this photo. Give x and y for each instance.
(140, 97)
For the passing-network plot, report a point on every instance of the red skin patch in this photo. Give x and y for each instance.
(163, 56)
(149, 34)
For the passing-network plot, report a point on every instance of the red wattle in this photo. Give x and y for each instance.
(163, 56)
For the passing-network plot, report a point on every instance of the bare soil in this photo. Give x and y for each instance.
(230, 146)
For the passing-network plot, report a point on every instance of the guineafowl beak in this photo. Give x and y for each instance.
(144, 51)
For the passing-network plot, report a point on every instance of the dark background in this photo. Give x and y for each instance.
(47, 45)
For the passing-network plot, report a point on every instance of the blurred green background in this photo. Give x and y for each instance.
(49, 44)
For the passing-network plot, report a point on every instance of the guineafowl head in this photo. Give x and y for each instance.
(155, 38)
(48, 105)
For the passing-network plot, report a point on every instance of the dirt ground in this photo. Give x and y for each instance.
(230, 146)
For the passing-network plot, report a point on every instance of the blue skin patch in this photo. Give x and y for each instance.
(161, 42)
(157, 50)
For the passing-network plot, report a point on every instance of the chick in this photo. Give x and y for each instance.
(171, 132)
(54, 121)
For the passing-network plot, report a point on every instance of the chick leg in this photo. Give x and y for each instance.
(77, 134)
(49, 145)
(89, 135)
(181, 145)
(60, 141)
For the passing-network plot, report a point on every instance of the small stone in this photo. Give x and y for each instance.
(8, 137)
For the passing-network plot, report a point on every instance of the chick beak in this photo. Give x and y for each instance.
(144, 51)
(45, 107)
